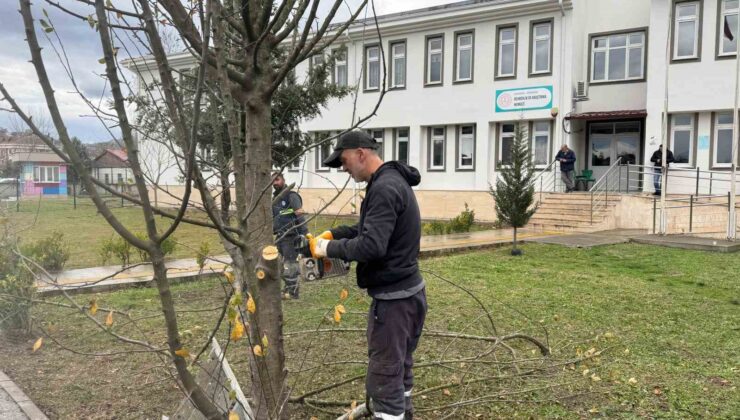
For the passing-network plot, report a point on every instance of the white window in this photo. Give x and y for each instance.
(727, 30)
(378, 135)
(46, 174)
(541, 143)
(324, 150)
(464, 64)
(398, 67)
(466, 147)
(618, 57)
(722, 140)
(372, 67)
(686, 30)
(506, 143)
(295, 164)
(437, 149)
(506, 52)
(541, 42)
(434, 60)
(340, 67)
(402, 145)
(316, 60)
(682, 131)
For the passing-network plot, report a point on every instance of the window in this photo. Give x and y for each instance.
(727, 27)
(618, 57)
(402, 145)
(682, 133)
(437, 149)
(506, 52)
(378, 135)
(398, 64)
(295, 164)
(435, 52)
(324, 150)
(315, 60)
(46, 174)
(506, 143)
(540, 48)
(686, 21)
(466, 147)
(541, 143)
(340, 67)
(722, 156)
(372, 67)
(107, 179)
(464, 57)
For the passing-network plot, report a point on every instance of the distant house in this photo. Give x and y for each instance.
(18, 143)
(112, 168)
(42, 173)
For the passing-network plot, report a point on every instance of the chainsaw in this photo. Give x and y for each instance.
(318, 268)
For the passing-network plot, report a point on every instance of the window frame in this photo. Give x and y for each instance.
(366, 65)
(319, 158)
(697, 31)
(371, 132)
(313, 58)
(397, 141)
(692, 137)
(391, 72)
(497, 61)
(533, 137)
(715, 137)
(627, 32)
(335, 66)
(500, 141)
(427, 55)
(459, 167)
(533, 50)
(430, 152)
(456, 56)
(46, 169)
(718, 53)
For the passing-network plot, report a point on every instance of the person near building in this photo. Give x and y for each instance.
(385, 243)
(287, 224)
(567, 159)
(657, 160)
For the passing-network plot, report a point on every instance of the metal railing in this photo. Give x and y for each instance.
(546, 180)
(601, 188)
(704, 182)
(693, 202)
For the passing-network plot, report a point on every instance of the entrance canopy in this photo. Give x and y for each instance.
(608, 115)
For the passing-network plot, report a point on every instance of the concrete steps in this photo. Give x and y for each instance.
(572, 213)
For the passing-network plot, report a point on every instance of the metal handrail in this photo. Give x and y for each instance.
(540, 179)
(596, 203)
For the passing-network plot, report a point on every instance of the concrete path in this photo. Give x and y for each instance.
(689, 242)
(588, 240)
(14, 404)
(101, 279)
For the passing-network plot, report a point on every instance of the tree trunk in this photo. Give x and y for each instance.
(199, 398)
(513, 250)
(269, 379)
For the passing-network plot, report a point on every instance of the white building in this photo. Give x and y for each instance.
(588, 73)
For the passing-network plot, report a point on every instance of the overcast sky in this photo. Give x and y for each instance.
(83, 50)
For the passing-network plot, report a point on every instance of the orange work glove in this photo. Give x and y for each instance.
(319, 244)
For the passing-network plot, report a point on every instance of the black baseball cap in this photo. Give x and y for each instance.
(351, 140)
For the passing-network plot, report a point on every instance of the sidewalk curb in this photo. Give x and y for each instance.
(28, 407)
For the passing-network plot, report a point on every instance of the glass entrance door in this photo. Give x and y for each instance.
(610, 141)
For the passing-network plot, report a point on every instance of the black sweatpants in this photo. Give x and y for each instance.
(393, 331)
(291, 270)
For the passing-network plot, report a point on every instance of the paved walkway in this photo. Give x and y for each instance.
(100, 279)
(14, 404)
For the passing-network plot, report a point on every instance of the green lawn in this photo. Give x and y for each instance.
(666, 321)
(84, 228)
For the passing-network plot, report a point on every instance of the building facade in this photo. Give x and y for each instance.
(42, 174)
(596, 75)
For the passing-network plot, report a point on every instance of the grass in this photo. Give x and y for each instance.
(85, 229)
(667, 318)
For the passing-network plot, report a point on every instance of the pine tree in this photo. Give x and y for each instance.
(514, 192)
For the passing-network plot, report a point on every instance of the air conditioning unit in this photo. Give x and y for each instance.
(581, 91)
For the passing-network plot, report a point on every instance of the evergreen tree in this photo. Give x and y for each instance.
(514, 192)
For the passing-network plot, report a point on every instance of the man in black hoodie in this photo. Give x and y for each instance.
(385, 244)
(657, 159)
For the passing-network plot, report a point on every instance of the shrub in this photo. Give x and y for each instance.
(204, 251)
(462, 222)
(117, 248)
(434, 228)
(17, 290)
(51, 253)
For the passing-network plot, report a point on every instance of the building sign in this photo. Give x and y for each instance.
(524, 99)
